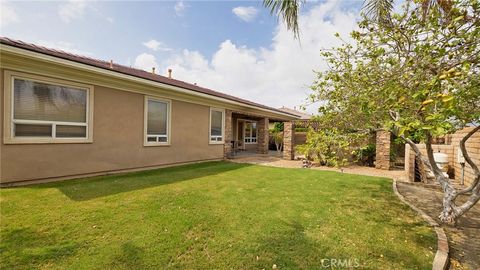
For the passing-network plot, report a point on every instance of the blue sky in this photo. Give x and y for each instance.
(235, 47)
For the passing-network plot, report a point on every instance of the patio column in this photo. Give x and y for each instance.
(382, 154)
(288, 141)
(227, 147)
(262, 133)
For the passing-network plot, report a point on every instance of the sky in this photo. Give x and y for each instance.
(235, 47)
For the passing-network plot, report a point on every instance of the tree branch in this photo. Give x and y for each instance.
(476, 182)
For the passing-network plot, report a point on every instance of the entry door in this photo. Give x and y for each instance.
(241, 134)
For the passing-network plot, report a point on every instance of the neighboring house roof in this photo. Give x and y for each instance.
(301, 115)
(131, 71)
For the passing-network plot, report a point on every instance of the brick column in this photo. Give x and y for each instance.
(382, 155)
(409, 162)
(262, 133)
(288, 141)
(227, 147)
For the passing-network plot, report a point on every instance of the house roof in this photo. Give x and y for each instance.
(301, 115)
(132, 72)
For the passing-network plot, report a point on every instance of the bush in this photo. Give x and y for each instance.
(277, 126)
(301, 129)
(366, 155)
(276, 137)
(327, 147)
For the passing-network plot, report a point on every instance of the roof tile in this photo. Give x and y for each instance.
(130, 71)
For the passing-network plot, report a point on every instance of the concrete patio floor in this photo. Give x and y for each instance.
(275, 161)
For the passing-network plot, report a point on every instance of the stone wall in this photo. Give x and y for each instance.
(262, 131)
(382, 154)
(452, 150)
(227, 149)
(288, 141)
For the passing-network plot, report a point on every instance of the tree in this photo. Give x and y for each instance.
(277, 138)
(379, 10)
(289, 11)
(417, 76)
(329, 146)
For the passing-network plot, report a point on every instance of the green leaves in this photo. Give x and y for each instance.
(416, 66)
(331, 146)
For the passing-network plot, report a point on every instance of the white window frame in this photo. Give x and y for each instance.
(9, 121)
(210, 141)
(145, 122)
(250, 139)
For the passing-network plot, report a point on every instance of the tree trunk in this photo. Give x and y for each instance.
(451, 212)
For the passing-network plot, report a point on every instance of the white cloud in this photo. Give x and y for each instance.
(156, 45)
(145, 61)
(278, 75)
(71, 10)
(180, 8)
(8, 15)
(62, 46)
(247, 14)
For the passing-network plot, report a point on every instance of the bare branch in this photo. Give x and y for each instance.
(476, 182)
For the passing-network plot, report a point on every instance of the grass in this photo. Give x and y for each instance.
(212, 215)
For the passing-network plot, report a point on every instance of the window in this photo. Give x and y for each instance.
(217, 118)
(157, 121)
(250, 132)
(43, 110)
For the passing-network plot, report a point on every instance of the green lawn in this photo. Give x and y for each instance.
(212, 215)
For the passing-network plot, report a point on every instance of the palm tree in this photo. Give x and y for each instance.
(379, 10)
(289, 10)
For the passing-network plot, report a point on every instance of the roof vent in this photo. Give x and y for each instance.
(169, 73)
(111, 64)
(153, 70)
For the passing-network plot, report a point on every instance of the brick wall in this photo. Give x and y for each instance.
(473, 149)
(288, 141)
(300, 138)
(382, 154)
(262, 130)
(452, 149)
(227, 149)
(437, 148)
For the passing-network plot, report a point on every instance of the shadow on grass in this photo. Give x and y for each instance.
(96, 187)
(24, 246)
(292, 248)
(131, 257)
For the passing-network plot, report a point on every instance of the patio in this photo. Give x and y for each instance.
(247, 135)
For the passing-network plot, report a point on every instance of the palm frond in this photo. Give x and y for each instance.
(289, 10)
(378, 10)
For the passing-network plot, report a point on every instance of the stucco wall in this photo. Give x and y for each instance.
(117, 142)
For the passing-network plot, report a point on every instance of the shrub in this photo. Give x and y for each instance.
(327, 147)
(366, 155)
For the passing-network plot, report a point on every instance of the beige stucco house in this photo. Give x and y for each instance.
(67, 116)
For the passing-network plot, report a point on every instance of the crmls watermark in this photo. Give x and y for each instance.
(340, 263)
